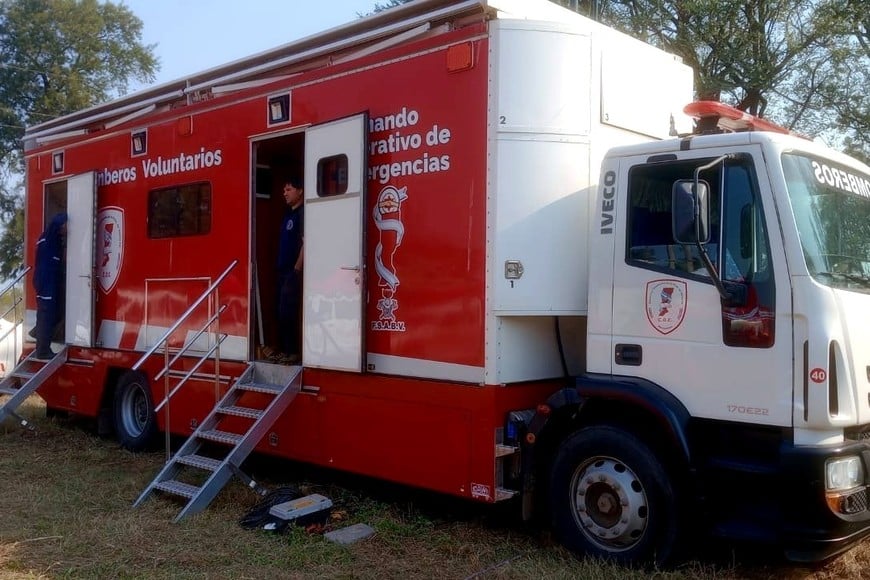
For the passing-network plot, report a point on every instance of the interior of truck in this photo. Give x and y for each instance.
(274, 160)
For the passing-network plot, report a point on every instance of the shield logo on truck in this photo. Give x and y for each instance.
(387, 214)
(110, 240)
(666, 304)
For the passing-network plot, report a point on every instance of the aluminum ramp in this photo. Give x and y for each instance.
(215, 451)
(23, 381)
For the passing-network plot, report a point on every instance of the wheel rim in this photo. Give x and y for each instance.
(609, 504)
(135, 410)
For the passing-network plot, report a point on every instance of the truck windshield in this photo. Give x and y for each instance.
(831, 205)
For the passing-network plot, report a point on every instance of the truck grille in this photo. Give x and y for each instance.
(854, 503)
(860, 433)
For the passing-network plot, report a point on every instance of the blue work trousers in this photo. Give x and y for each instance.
(47, 316)
(290, 312)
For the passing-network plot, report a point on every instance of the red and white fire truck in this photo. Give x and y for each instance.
(667, 336)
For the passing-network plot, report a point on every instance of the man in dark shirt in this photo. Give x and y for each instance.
(290, 256)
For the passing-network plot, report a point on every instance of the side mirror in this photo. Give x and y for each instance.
(691, 212)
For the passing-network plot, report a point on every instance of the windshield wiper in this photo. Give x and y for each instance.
(861, 280)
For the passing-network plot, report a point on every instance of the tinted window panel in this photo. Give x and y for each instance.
(183, 210)
(332, 176)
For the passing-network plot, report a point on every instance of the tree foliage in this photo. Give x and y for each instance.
(782, 59)
(56, 57)
(846, 96)
(803, 63)
(381, 6)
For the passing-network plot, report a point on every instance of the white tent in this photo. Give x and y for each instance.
(10, 346)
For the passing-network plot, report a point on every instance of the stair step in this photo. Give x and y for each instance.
(261, 388)
(177, 488)
(221, 437)
(241, 444)
(241, 412)
(503, 450)
(502, 494)
(200, 462)
(21, 382)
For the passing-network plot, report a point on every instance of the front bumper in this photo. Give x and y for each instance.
(810, 531)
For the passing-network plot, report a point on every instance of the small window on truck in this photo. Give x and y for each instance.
(650, 237)
(182, 210)
(746, 260)
(332, 176)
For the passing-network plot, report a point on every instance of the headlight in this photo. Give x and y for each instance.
(843, 473)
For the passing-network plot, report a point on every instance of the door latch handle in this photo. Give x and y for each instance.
(628, 354)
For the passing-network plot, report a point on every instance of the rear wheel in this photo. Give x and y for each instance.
(611, 498)
(133, 411)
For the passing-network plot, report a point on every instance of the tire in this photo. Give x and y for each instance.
(610, 498)
(133, 412)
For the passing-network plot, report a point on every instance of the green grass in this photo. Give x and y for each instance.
(65, 512)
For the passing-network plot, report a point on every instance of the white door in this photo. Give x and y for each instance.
(81, 207)
(669, 324)
(335, 165)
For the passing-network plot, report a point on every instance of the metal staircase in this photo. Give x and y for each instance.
(214, 452)
(24, 380)
(31, 372)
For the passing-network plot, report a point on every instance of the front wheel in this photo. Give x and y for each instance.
(611, 498)
(133, 411)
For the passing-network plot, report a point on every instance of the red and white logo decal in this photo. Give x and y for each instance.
(110, 236)
(387, 214)
(666, 304)
(480, 491)
(818, 375)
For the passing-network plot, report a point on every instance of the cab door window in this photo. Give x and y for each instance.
(651, 241)
(746, 260)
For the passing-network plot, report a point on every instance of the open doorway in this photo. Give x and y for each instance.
(54, 202)
(275, 161)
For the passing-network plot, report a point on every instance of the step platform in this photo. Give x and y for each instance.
(302, 511)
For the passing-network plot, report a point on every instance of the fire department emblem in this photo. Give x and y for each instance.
(387, 214)
(110, 237)
(665, 304)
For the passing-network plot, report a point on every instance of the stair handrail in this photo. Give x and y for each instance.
(207, 294)
(190, 310)
(16, 322)
(191, 341)
(198, 363)
(17, 279)
(13, 286)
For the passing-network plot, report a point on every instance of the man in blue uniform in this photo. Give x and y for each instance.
(290, 257)
(48, 280)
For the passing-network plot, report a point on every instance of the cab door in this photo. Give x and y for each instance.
(670, 324)
(332, 321)
(80, 288)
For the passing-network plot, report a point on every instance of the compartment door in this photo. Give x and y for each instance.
(81, 209)
(332, 320)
